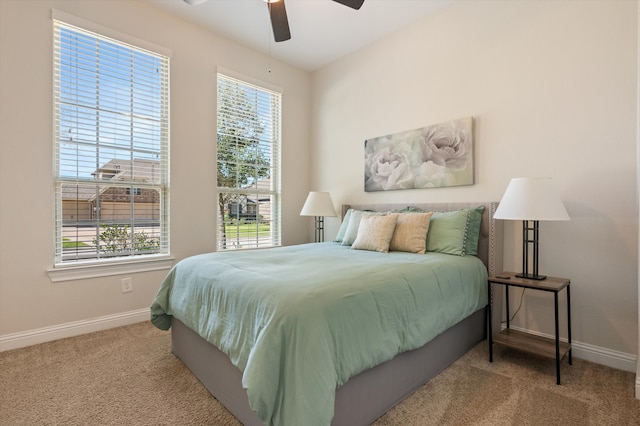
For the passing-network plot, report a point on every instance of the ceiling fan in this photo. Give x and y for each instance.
(278, 15)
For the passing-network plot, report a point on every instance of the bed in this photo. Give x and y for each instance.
(315, 350)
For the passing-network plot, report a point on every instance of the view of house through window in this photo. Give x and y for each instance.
(111, 147)
(248, 162)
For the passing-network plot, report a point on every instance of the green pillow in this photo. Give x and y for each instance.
(351, 232)
(473, 230)
(409, 209)
(343, 226)
(455, 232)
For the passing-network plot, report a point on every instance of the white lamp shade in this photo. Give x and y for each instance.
(318, 204)
(531, 199)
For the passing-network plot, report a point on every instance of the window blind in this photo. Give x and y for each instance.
(248, 165)
(111, 133)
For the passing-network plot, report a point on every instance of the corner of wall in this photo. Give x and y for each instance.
(638, 178)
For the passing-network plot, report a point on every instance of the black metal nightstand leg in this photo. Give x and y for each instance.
(506, 303)
(489, 320)
(569, 322)
(555, 299)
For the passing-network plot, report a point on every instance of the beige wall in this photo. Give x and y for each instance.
(552, 87)
(28, 299)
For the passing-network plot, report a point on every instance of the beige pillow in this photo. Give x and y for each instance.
(375, 232)
(351, 230)
(410, 234)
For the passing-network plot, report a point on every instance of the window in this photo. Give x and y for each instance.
(111, 148)
(248, 165)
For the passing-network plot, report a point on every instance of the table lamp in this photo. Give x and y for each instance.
(531, 200)
(318, 204)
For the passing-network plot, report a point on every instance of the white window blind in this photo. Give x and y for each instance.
(111, 132)
(248, 165)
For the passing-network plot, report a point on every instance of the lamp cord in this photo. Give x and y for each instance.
(519, 306)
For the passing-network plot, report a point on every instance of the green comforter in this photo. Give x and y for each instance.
(299, 321)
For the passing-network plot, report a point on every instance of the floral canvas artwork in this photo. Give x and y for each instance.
(430, 157)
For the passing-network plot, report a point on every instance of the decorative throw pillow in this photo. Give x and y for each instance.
(455, 232)
(410, 234)
(375, 232)
(351, 231)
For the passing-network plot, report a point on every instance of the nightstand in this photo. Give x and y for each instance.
(551, 348)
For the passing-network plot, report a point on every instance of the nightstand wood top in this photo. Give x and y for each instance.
(554, 284)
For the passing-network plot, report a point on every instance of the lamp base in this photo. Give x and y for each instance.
(319, 229)
(532, 276)
(530, 236)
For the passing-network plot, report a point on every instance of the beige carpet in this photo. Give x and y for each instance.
(128, 376)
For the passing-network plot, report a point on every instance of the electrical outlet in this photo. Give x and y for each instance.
(127, 285)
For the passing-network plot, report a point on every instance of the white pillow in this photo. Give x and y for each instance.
(375, 232)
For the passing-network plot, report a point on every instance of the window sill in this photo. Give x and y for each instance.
(108, 268)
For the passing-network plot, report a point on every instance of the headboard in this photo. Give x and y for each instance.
(491, 231)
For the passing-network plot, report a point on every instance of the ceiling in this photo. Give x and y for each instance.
(321, 30)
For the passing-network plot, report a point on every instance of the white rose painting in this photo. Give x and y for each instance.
(429, 157)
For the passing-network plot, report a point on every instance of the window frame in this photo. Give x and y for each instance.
(274, 192)
(62, 269)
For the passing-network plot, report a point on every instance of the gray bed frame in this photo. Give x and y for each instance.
(373, 392)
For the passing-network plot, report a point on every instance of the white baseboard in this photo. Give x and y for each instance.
(70, 329)
(637, 386)
(596, 354)
(610, 358)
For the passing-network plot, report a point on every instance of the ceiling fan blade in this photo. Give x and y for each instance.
(353, 4)
(279, 21)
